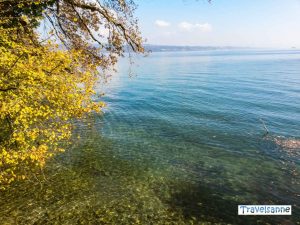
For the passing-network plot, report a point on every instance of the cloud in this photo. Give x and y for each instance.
(204, 27)
(162, 23)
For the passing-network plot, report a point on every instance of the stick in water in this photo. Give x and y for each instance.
(264, 125)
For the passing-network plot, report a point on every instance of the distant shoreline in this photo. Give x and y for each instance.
(179, 48)
(175, 48)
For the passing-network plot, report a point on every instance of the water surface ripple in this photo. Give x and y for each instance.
(201, 113)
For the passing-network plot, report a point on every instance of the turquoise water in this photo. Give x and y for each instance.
(199, 115)
(182, 141)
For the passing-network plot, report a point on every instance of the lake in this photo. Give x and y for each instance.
(185, 139)
(202, 114)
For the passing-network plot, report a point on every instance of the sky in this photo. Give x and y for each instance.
(237, 23)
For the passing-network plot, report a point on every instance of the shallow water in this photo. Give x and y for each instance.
(182, 141)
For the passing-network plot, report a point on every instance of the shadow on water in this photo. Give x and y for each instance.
(200, 203)
(196, 201)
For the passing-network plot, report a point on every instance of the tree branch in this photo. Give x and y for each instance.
(8, 89)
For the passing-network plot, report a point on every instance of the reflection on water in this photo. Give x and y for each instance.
(180, 143)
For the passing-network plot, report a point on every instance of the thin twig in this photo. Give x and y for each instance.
(264, 125)
(13, 64)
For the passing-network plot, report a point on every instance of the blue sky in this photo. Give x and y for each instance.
(244, 23)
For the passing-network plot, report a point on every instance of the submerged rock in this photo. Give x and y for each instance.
(290, 146)
(288, 143)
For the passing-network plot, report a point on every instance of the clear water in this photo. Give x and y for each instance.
(200, 114)
(181, 142)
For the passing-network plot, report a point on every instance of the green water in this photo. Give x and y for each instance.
(179, 143)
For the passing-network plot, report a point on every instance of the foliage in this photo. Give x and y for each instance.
(42, 88)
(101, 29)
(47, 81)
